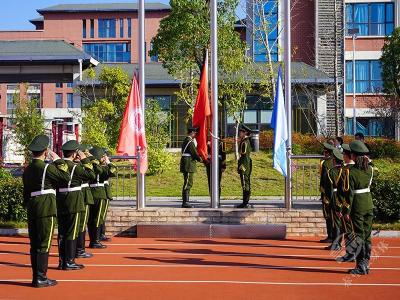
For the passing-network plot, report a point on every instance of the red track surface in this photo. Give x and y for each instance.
(204, 269)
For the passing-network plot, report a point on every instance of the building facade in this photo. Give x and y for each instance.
(372, 20)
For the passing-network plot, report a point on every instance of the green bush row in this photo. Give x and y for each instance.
(386, 195)
(11, 198)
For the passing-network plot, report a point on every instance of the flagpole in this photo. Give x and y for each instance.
(288, 102)
(141, 197)
(214, 99)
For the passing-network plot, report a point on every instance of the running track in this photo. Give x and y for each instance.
(204, 269)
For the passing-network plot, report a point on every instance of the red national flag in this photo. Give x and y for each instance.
(132, 133)
(202, 112)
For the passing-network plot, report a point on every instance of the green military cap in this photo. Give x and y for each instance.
(84, 147)
(346, 147)
(39, 143)
(337, 154)
(193, 129)
(358, 147)
(243, 127)
(97, 152)
(328, 146)
(70, 146)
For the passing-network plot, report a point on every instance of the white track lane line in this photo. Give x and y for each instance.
(216, 282)
(205, 265)
(212, 245)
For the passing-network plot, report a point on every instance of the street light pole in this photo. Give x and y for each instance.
(354, 32)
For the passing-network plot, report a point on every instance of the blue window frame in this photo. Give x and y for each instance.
(70, 100)
(371, 19)
(59, 100)
(107, 28)
(109, 52)
(153, 58)
(266, 16)
(368, 76)
(129, 27)
(84, 29)
(10, 102)
(59, 84)
(121, 28)
(70, 84)
(91, 28)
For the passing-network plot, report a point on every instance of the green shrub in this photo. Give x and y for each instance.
(11, 200)
(4, 174)
(386, 196)
(159, 161)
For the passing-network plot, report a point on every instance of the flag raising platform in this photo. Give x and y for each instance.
(271, 223)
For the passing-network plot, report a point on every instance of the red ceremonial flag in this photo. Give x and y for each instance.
(132, 133)
(202, 112)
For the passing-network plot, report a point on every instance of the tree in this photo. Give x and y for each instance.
(390, 61)
(103, 105)
(28, 121)
(181, 45)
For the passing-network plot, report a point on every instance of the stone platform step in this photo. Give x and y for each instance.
(241, 231)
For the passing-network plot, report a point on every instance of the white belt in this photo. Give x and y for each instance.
(106, 182)
(186, 155)
(70, 189)
(43, 192)
(362, 191)
(97, 185)
(335, 190)
(84, 185)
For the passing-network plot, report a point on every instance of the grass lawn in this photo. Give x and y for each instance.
(265, 180)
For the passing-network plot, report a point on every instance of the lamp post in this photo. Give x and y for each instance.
(353, 32)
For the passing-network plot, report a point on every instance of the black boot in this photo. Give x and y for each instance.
(185, 199)
(337, 242)
(41, 280)
(360, 269)
(95, 243)
(103, 237)
(70, 251)
(80, 247)
(246, 198)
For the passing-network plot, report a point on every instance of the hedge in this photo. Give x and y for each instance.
(11, 198)
(386, 196)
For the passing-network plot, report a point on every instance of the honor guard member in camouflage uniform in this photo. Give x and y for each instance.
(70, 204)
(88, 200)
(40, 181)
(347, 224)
(188, 164)
(325, 165)
(104, 170)
(107, 186)
(221, 164)
(361, 206)
(245, 165)
(334, 175)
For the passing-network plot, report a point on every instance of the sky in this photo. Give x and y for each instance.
(15, 14)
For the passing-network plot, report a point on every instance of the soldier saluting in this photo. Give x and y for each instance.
(71, 205)
(40, 181)
(188, 164)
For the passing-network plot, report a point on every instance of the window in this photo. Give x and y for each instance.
(129, 27)
(59, 85)
(70, 100)
(368, 76)
(370, 18)
(121, 28)
(372, 126)
(91, 28)
(84, 29)
(109, 52)
(10, 102)
(33, 93)
(163, 101)
(265, 16)
(107, 28)
(153, 57)
(59, 100)
(70, 84)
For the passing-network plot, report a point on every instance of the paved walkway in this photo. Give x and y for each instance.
(203, 202)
